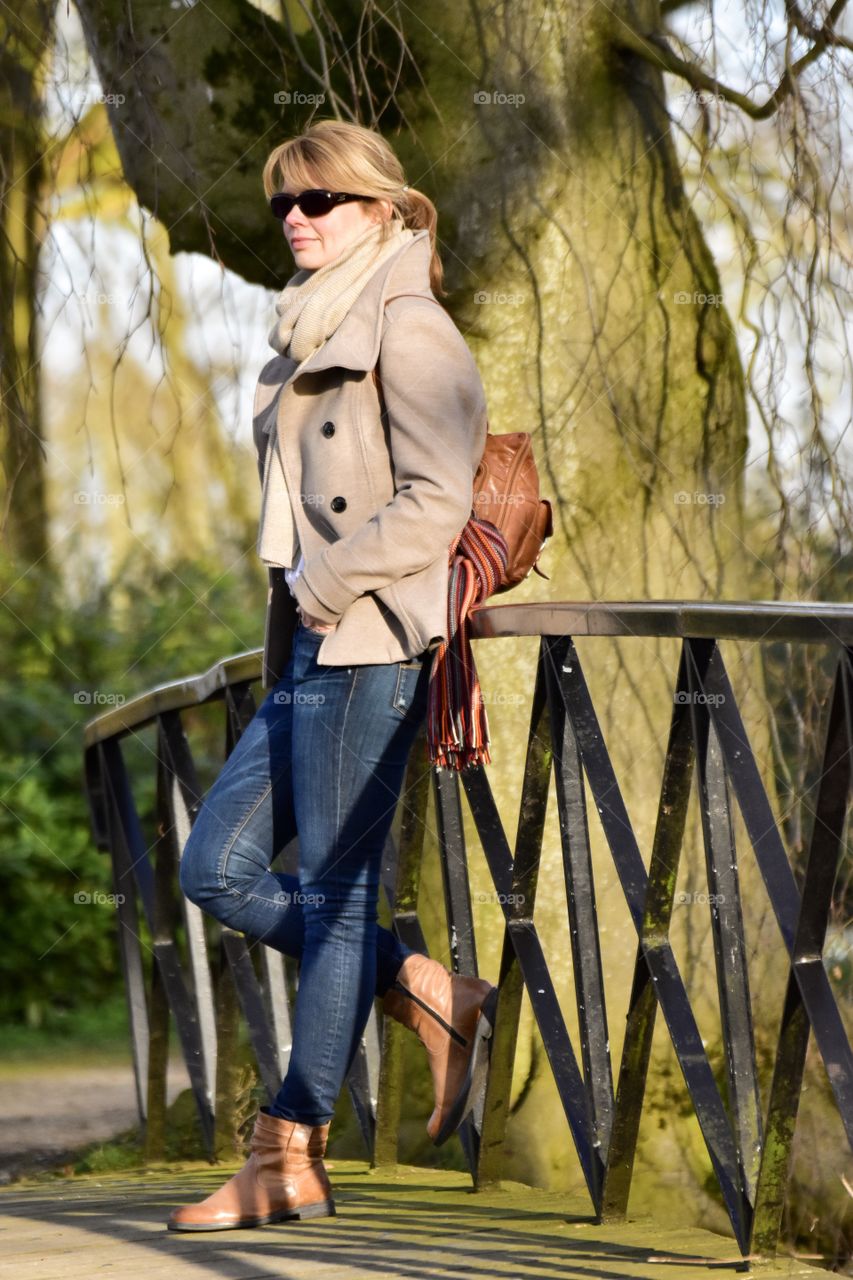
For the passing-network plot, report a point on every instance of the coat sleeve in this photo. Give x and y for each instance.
(436, 411)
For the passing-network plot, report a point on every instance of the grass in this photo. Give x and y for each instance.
(79, 1037)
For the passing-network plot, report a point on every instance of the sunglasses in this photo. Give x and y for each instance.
(314, 204)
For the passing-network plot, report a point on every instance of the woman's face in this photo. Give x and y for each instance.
(316, 241)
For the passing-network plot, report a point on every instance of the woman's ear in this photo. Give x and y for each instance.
(384, 210)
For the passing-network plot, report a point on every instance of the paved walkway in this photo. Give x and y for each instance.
(402, 1224)
(48, 1111)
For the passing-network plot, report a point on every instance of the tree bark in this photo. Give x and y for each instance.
(23, 519)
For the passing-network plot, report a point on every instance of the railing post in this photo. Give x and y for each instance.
(705, 728)
(401, 886)
(528, 851)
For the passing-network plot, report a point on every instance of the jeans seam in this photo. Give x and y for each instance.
(324, 1073)
(229, 846)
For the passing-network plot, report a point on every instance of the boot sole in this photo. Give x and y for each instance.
(321, 1209)
(477, 1073)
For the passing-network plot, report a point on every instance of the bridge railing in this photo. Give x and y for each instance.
(750, 1148)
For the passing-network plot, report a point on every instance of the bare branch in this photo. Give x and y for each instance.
(654, 48)
(806, 28)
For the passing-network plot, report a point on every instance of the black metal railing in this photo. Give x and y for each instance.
(751, 1152)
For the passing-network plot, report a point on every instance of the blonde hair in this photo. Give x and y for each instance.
(340, 156)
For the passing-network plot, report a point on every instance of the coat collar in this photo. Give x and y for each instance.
(355, 343)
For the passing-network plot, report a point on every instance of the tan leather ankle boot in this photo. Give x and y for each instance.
(284, 1177)
(452, 1015)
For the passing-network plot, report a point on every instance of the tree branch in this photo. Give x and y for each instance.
(806, 28)
(654, 49)
(196, 101)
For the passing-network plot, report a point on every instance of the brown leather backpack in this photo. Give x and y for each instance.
(506, 493)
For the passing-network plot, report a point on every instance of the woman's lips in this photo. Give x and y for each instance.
(297, 240)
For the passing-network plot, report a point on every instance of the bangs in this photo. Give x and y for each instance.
(303, 166)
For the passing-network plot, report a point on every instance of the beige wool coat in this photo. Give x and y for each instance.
(377, 497)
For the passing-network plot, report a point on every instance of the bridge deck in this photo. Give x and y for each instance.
(406, 1222)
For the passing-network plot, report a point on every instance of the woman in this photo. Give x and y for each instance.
(362, 497)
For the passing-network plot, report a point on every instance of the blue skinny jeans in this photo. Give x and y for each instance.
(324, 756)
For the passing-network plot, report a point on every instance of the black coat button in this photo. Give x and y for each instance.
(328, 428)
(338, 504)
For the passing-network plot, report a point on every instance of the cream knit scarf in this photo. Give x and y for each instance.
(310, 307)
(313, 303)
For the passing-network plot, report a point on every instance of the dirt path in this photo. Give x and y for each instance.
(49, 1110)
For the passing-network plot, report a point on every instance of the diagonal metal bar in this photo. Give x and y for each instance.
(525, 874)
(401, 880)
(806, 961)
(642, 1004)
(252, 1003)
(126, 839)
(277, 1006)
(182, 796)
(240, 707)
(537, 980)
(580, 897)
(813, 980)
(454, 872)
(459, 917)
(726, 925)
(671, 992)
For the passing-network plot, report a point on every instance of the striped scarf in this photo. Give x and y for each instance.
(457, 724)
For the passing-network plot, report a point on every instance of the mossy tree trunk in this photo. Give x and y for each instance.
(23, 515)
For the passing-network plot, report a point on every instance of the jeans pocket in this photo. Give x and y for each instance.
(406, 686)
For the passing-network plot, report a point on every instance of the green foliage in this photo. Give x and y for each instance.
(78, 1035)
(71, 655)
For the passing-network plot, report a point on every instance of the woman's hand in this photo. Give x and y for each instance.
(315, 624)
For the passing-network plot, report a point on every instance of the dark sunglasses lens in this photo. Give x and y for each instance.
(281, 205)
(315, 203)
(312, 203)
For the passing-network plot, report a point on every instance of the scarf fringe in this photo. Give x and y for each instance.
(457, 723)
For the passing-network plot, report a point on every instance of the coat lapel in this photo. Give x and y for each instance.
(354, 345)
(355, 342)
